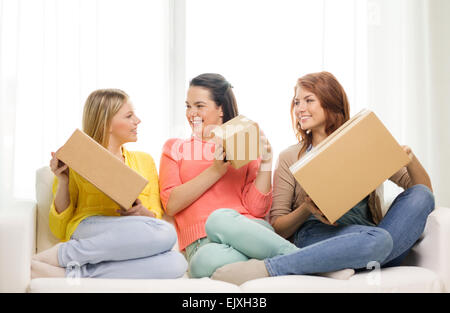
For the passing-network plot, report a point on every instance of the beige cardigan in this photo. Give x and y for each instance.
(288, 195)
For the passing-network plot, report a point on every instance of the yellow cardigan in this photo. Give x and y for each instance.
(86, 200)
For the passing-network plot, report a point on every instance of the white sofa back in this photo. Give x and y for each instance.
(44, 182)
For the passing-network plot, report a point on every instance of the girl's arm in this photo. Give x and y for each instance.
(60, 212)
(184, 195)
(61, 171)
(263, 181)
(285, 218)
(62, 197)
(176, 195)
(287, 225)
(153, 202)
(416, 171)
(257, 193)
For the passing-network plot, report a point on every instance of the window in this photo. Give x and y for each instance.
(262, 47)
(54, 53)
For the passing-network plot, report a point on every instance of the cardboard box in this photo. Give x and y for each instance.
(102, 169)
(350, 164)
(240, 140)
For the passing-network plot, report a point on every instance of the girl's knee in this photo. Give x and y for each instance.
(218, 216)
(423, 198)
(166, 234)
(219, 220)
(201, 264)
(178, 264)
(153, 232)
(380, 244)
(210, 257)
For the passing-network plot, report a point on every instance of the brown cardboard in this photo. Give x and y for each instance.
(240, 140)
(350, 164)
(102, 169)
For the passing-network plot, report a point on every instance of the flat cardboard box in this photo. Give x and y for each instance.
(240, 139)
(102, 169)
(351, 163)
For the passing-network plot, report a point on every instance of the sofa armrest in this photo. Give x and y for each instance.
(432, 250)
(17, 245)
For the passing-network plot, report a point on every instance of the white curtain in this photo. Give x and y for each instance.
(53, 53)
(262, 47)
(390, 56)
(409, 80)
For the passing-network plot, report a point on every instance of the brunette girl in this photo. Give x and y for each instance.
(362, 235)
(219, 211)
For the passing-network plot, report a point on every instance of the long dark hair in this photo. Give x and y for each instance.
(221, 93)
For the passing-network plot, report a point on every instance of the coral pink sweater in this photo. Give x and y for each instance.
(181, 161)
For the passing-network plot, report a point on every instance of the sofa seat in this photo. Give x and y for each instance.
(91, 285)
(404, 279)
(24, 231)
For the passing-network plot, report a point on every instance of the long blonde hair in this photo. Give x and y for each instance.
(99, 109)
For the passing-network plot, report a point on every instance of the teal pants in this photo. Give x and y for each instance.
(232, 237)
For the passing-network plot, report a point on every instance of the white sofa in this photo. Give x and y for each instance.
(24, 231)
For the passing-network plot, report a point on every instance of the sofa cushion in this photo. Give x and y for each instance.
(44, 198)
(404, 279)
(396, 279)
(85, 285)
(17, 243)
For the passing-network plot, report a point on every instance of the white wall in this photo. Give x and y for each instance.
(439, 145)
(409, 80)
(50, 60)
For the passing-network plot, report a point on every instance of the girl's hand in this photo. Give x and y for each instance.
(408, 152)
(60, 169)
(266, 154)
(138, 209)
(312, 207)
(219, 164)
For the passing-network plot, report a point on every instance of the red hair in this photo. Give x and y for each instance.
(333, 100)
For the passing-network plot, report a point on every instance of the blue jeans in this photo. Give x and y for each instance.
(122, 247)
(325, 248)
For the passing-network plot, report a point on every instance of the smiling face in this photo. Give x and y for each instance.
(308, 110)
(124, 124)
(202, 112)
